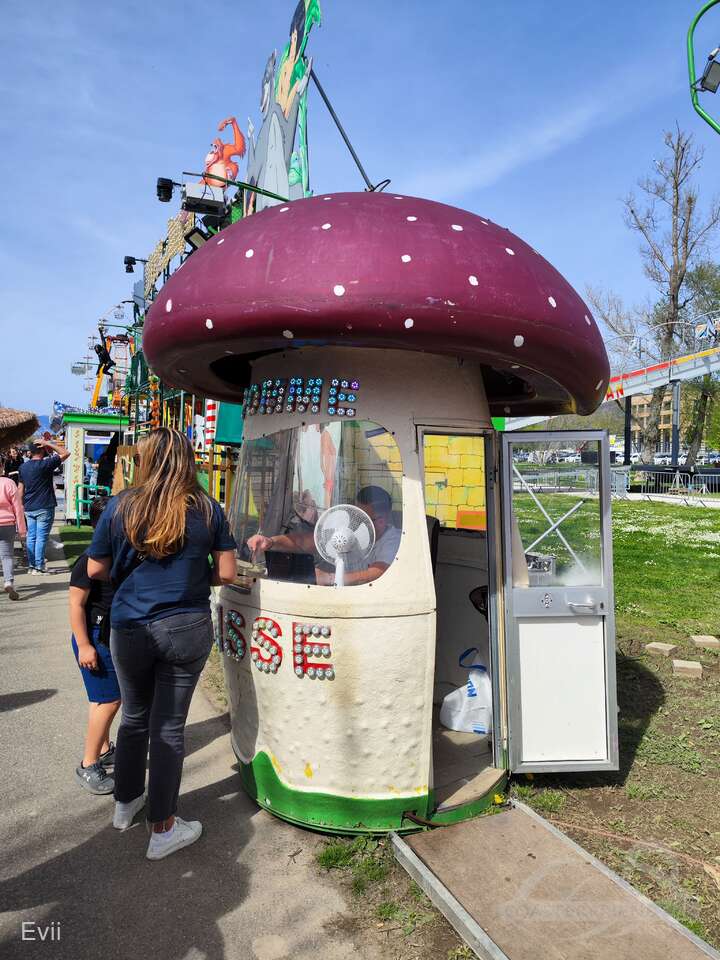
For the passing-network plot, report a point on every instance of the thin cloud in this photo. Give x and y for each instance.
(620, 94)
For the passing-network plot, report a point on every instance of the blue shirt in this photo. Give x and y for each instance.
(37, 478)
(152, 589)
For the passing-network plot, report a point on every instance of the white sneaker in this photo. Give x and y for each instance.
(183, 833)
(125, 812)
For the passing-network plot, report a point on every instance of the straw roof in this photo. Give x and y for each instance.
(16, 426)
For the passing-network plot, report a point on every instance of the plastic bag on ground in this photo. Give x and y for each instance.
(469, 708)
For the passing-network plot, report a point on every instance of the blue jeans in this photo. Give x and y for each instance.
(39, 523)
(158, 665)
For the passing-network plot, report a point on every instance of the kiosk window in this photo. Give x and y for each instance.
(288, 480)
(557, 517)
(455, 480)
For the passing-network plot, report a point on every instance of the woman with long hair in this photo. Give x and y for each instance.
(154, 542)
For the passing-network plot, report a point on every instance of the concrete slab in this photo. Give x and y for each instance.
(515, 888)
(248, 890)
(706, 642)
(658, 649)
(687, 668)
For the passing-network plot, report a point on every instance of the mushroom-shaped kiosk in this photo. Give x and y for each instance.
(422, 604)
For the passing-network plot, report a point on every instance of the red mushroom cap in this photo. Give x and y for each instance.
(379, 270)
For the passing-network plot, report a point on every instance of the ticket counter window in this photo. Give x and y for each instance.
(287, 480)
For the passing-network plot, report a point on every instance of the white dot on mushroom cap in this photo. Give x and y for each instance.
(473, 280)
(284, 209)
(209, 323)
(588, 321)
(406, 258)
(326, 226)
(168, 306)
(288, 334)
(519, 340)
(338, 290)
(552, 302)
(456, 226)
(249, 253)
(409, 323)
(327, 198)
(412, 219)
(221, 240)
(509, 251)
(398, 198)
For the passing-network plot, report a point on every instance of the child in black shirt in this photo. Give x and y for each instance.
(90, 602)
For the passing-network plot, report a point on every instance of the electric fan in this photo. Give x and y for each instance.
(344, 536)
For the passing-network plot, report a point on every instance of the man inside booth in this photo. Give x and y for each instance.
(377, 504)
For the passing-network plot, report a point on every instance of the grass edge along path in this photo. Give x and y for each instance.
(74, 540)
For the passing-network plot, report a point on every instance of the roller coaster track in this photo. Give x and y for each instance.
(646, 379)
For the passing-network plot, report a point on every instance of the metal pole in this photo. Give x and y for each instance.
(691, 68)
(675, 450)
(342, 131)
(628, 431)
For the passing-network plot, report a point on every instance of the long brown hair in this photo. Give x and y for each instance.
(154, 510)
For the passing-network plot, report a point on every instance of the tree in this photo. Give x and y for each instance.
(704, 284)
(674, 236)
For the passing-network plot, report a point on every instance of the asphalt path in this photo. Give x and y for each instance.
(249, 889)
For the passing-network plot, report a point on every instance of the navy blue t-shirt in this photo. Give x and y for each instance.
(37, 476)
(152, 589)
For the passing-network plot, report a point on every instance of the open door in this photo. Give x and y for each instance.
(559, 605)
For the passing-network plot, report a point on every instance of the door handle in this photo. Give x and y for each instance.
(582, 606)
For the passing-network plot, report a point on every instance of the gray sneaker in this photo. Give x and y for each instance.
(95, 779)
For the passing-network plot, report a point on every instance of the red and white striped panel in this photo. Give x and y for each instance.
(210, 421)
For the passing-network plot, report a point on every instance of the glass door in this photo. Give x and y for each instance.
(560, 633)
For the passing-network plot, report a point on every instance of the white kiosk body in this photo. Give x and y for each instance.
(335, 691)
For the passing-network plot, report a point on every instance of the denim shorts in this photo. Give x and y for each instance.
(102, 684)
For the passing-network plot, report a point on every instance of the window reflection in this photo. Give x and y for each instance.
(288, 481)
(556, 515)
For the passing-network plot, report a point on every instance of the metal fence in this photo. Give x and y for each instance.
(675, 485)
(557, 480)
(678, 486)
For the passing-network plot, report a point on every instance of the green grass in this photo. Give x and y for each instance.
(546, 801)
(461, 953)
(75, 540)
(367, 859)
(644, 791)
(666, 568)
(696, 926)
(675, 750)
(581, 530)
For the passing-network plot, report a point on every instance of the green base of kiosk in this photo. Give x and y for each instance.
(330, 813)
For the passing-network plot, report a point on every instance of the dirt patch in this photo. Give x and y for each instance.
(389, 913)
(213, 680)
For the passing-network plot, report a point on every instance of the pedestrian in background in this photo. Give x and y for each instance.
(13, 462)
(38, 498)
(153, 543)
(12, 524)
(90, 602)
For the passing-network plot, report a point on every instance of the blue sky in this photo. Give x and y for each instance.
(540, 115)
